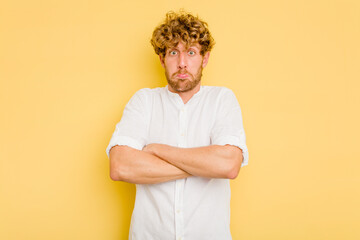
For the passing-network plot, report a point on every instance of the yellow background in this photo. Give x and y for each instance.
(67, 69)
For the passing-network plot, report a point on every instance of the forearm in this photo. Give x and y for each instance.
(211, 161)
(135, 166)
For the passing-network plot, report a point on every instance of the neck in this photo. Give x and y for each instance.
(186, 96)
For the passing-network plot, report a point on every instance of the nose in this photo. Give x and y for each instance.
(182, 64)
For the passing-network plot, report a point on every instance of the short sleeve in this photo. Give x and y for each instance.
(228, 128)
(132, 129)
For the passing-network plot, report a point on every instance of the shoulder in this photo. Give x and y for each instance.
(216, 92)
(146, 94)
(220, 97)
(147, 91)
(143, 100)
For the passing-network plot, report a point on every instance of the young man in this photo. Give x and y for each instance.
(180, 144)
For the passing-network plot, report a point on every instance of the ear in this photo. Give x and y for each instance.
(205, 59)
(162, 61)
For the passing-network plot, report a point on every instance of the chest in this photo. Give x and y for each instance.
(181, 125)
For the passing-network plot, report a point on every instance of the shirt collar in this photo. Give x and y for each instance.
(175, 95)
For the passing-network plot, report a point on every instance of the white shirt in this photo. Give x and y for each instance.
(194, 208)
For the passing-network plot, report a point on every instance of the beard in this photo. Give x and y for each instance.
(184, 85)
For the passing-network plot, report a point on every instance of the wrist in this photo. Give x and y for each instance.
(155, 149)
(151, 148)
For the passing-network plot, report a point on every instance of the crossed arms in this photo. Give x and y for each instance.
(158, 163)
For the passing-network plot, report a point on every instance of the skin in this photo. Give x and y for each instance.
(211, 161)
(134, 166)
(158, 163)
(183, 69)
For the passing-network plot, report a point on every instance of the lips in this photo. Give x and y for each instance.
(182, 75)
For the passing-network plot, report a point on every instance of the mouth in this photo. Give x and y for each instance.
(182, 75)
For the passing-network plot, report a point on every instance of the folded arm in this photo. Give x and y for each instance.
(213, 161)
(134, 166)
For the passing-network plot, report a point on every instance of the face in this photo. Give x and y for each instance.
(183, 67)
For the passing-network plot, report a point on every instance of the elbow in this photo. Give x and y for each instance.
(115, 175)
(118, 168)
(116, 171)
(233, 173)
(235, 160)
(120, 172)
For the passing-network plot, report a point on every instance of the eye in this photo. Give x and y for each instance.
(191, 53)
(173, 52)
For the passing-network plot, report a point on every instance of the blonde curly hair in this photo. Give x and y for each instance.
(181, 26)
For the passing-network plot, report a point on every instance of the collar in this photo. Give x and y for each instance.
(176, 95)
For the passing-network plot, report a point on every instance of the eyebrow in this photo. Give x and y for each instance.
(192, 46)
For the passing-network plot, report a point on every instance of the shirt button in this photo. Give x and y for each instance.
(178, 211)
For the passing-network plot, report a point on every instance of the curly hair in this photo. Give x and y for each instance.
(183, 27)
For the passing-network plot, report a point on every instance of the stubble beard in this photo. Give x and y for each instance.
(183, 85)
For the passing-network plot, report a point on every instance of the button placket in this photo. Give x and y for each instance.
(179, 225)
(182, 126)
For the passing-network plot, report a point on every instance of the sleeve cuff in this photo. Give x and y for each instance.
(124, 141)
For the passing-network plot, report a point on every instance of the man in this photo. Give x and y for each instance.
(180, 144)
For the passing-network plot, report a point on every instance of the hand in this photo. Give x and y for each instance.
(150, 148)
